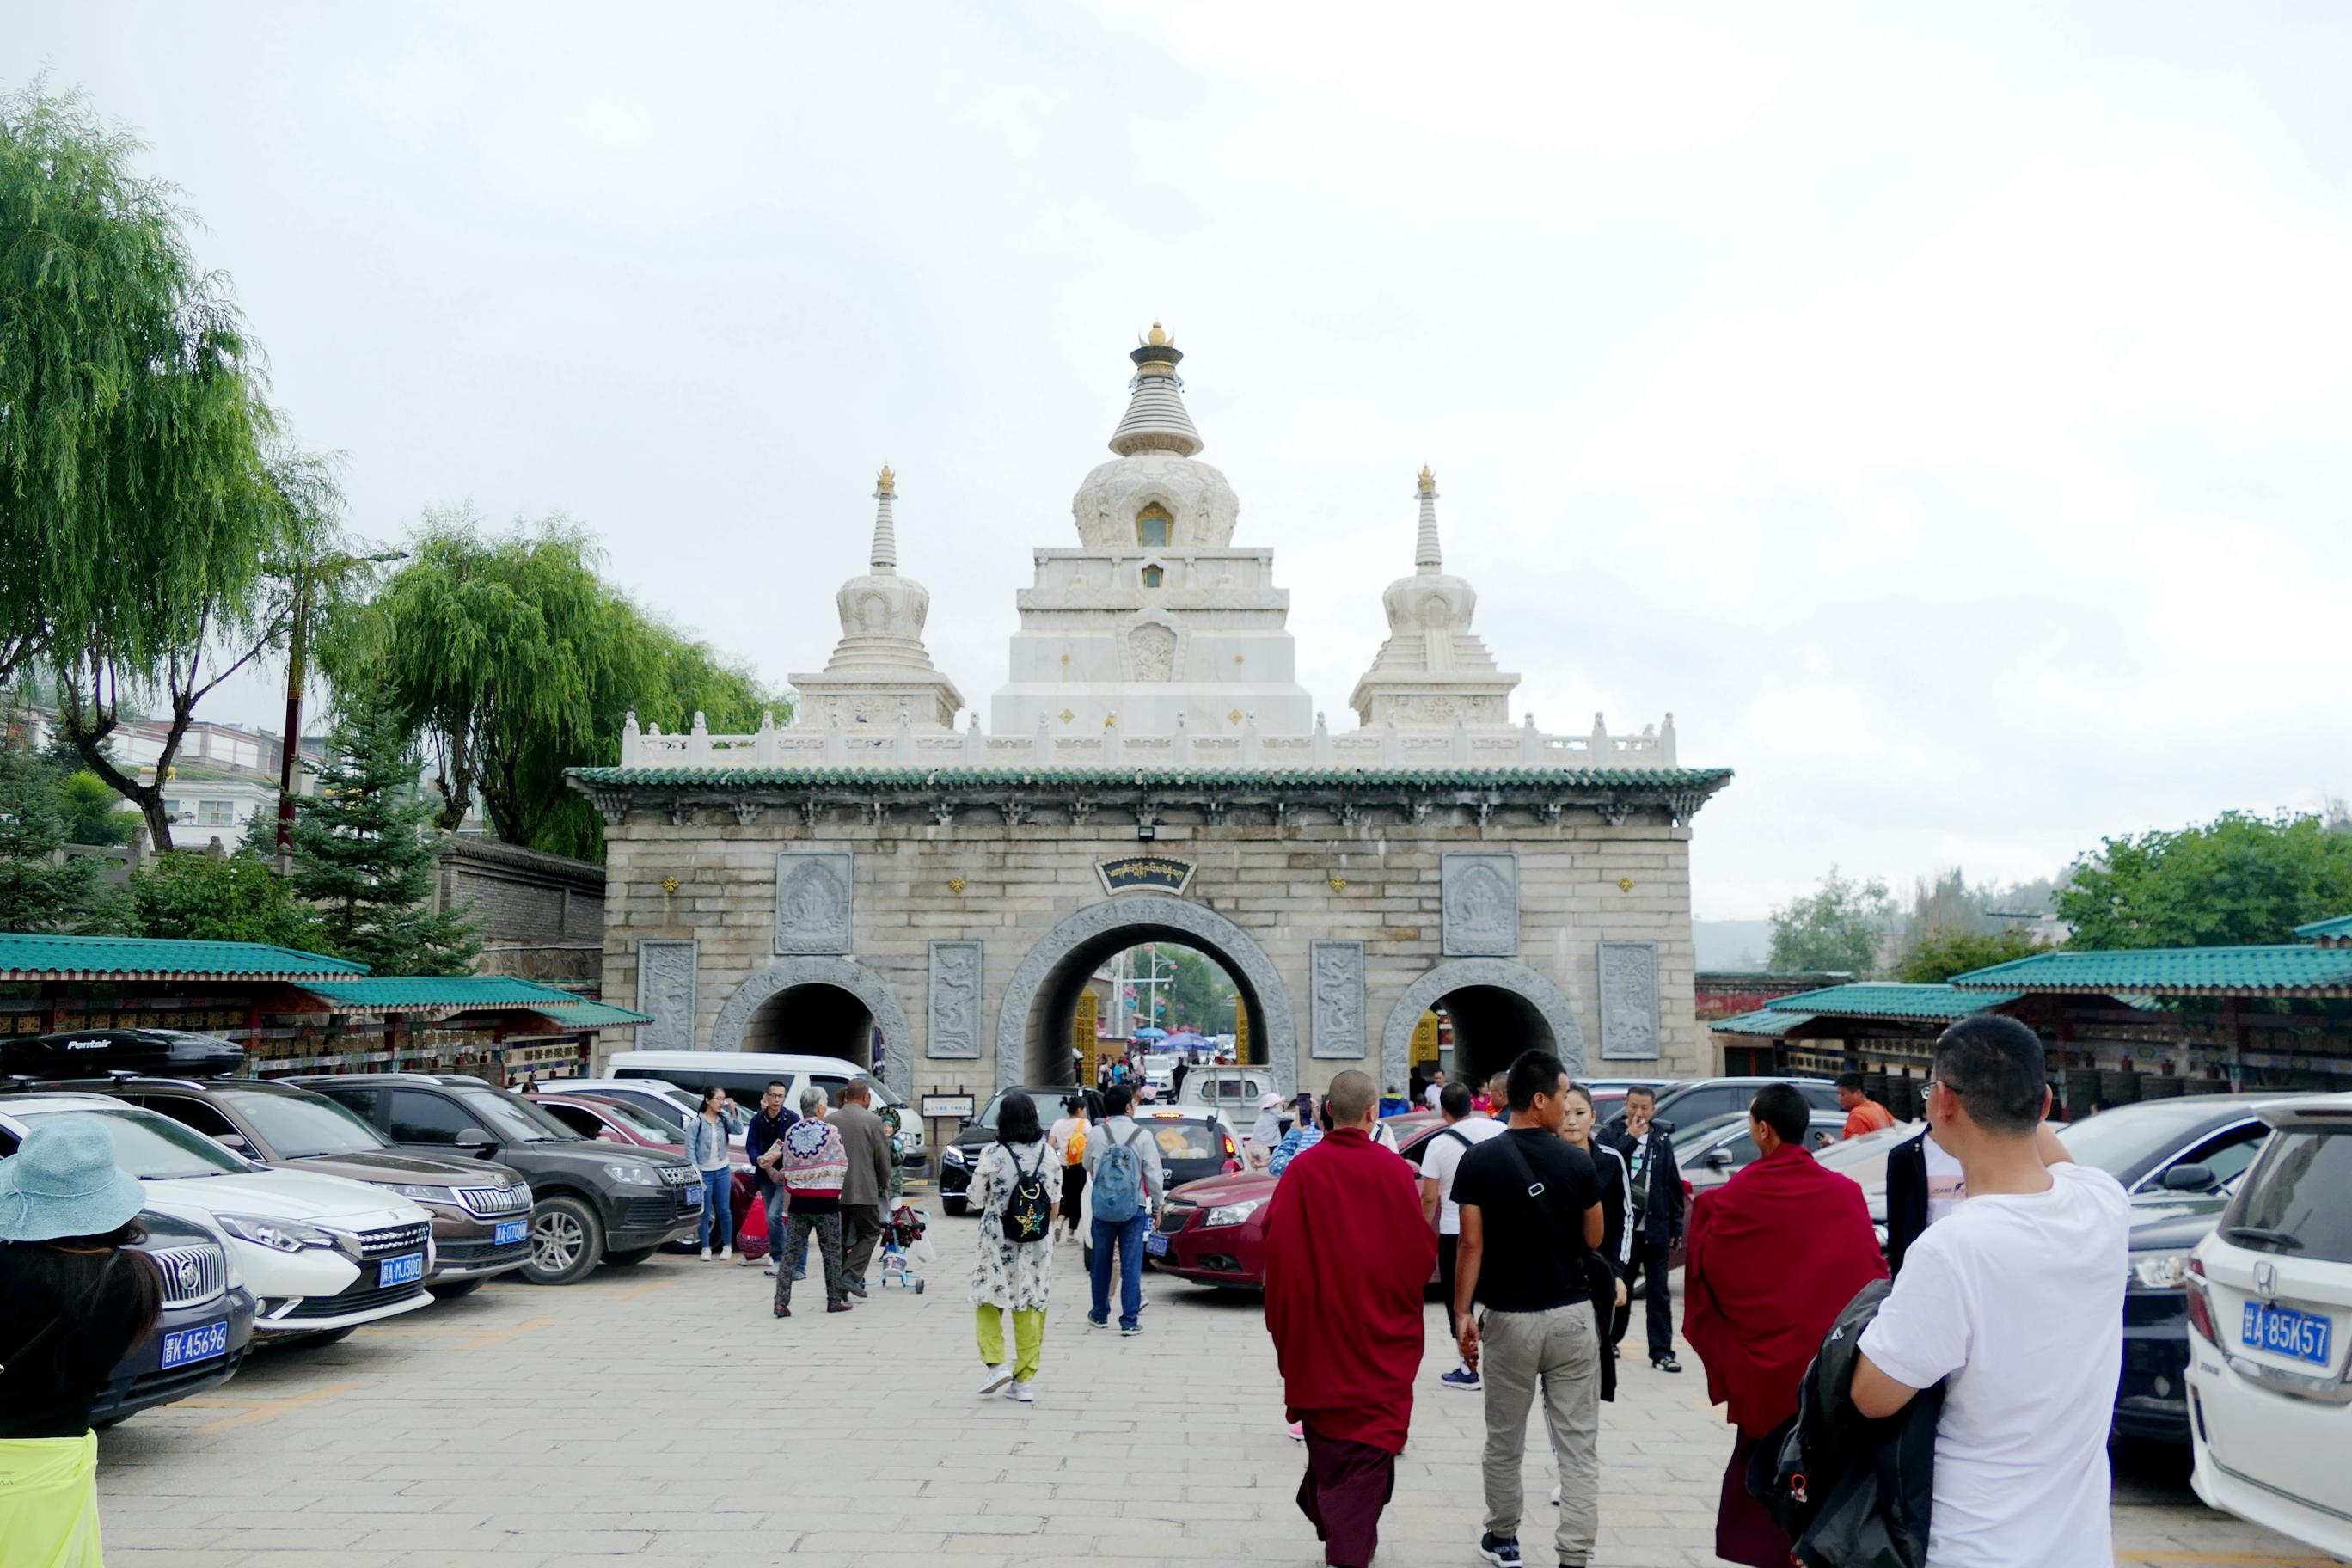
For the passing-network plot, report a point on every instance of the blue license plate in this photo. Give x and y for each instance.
(510, 1231)
(405, 1269)
(1156, 1244)
(2283, 1330)
(692, 1197)
(182, 1346)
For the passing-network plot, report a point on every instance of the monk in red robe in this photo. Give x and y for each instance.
(1775, 1254)
(1348, 1257)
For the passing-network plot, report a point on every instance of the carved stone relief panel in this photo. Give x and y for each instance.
(1152, 650)
(954, 1032)
(1478, 904)
(666, 991)
(811, 903)
(1335, 997)
(1628, 1000)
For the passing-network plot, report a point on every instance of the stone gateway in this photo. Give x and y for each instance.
(873, 882)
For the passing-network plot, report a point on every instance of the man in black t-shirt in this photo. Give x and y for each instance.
(1531, 1211)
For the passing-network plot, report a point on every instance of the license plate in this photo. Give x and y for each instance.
(692, 1196)
(203, 1342)
(1156, 1244)
(510, 1231)
(2283, 1330)
(405, 1269)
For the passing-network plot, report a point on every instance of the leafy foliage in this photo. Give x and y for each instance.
(364, 854)
(1838, 929)
(37, 893)
(514, 659)
(2235, 880)
(198, 895)
(1939, 955)
(94, 812)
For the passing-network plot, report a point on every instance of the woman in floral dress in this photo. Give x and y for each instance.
(1008, 1275)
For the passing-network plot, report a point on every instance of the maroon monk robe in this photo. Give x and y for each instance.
(1775, 1254)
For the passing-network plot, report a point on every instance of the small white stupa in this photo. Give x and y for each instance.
(881, 674)
(1432, 670)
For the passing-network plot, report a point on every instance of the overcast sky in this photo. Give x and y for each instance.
(1945, 415)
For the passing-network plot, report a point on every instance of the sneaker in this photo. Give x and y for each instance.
(782, 1311)
(1555, 1494)
(801, 1273)
(1503, 1551)
(1095, 1322)
(1127, 1332)
(1664, 1362)
(1297, 1430)
(1019, 1391)
(1462, 1377)
(706, 1255)
(770, 1272)
(726, 1253)
(992, 1378)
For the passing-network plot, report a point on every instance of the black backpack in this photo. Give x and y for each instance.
(1028, 1213)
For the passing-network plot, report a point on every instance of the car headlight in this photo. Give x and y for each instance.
(951, 1156)
(276, 1235)
(635, 1175)
(420, 1193)
(2160, 1270)
(1231, 1214)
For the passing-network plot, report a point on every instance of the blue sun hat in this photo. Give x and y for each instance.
(63, 1181)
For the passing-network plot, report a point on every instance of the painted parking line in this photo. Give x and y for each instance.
(2222, 1560)
(625, 1292)
(251, 1412)
(500, 1336)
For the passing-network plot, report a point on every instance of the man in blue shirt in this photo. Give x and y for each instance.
(768, 1124)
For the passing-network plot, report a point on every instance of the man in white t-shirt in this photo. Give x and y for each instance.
(2014, 1300)
(1463, 1132)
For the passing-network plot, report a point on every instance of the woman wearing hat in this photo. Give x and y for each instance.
(1268, 1131)
(73, 1299)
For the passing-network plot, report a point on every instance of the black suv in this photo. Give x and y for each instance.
(593, 1201)
(957, 1159)
(200, 1339)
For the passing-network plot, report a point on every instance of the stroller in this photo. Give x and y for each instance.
(904, 1245)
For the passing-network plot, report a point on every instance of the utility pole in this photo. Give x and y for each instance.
(307, 581)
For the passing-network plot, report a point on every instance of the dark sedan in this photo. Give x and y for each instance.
(200, 1339)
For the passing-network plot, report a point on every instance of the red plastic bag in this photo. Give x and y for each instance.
(751, 1218)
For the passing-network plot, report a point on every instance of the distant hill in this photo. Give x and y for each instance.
(1731, 944)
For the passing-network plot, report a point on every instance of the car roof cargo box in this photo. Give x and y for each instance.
(90, 1053)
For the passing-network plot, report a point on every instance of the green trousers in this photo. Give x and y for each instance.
(1028, 1339)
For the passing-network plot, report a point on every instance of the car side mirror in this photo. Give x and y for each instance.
(235, 1141)
(1718, 1157)
(2189, 1179)
(606, 1135)
(475, 1141)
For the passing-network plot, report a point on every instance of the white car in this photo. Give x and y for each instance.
(1233, 1092)
(321, 1253)
(746, 1076)
(2270, 1314)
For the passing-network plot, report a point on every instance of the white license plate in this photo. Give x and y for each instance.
(2283, 1330)
(182, 1346)
(692, 1197)
(1156, 1244)
(510, 1231)
(405, 1269)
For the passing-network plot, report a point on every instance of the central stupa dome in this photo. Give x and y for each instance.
(1158, 495)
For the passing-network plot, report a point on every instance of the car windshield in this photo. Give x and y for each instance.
(516, 1118)
(640, 1120)
(2119, 1141)
(1864, 1158)
(2292, 1201)
(157, 1148)
(302, 1126)
(1180, 1140)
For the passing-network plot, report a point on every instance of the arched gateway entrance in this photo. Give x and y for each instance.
(1032, 1022)
(1499, 1008)
(827, 1006)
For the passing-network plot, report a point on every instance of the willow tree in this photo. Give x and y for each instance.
(137, 501)
(513, 658)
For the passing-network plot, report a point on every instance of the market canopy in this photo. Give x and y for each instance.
(34, 956)
(1889, 999)
(2283, 970)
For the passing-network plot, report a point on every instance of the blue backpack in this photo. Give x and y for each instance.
(1118, 1181)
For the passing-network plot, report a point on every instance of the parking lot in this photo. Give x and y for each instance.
(659, 1414)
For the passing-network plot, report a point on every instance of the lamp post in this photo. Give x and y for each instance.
(306, 580)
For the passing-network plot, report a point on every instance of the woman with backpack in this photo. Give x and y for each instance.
(1068, 1137)
(1014, 1190)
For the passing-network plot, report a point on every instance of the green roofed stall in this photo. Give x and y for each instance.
(2283, 970)
(1890, 999)
(28, 956)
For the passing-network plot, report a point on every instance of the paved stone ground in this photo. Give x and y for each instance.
(658, 1413)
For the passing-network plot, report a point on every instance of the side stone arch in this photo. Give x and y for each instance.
(1498, 974)
(1147, 911)
(868, 987)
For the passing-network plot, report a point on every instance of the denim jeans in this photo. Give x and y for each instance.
(718, 1203)
(772, 1194)
(1127, 1235)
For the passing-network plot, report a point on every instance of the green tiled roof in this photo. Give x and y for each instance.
(595, 1015)
(2336, 930)
(1765, 1022)
(1889, 999)
(25, 956)
(2281, 970)
(441, 993)
(836, 777)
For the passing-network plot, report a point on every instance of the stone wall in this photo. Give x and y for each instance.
(539, 916)
(1023, 890)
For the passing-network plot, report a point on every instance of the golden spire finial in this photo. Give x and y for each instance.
(887, 482)
(1159, 336)
(1428, 481)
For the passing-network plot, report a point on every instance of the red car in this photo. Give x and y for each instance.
(620, 1121)
(1213, 1232)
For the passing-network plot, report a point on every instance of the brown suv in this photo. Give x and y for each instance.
(481, 1212)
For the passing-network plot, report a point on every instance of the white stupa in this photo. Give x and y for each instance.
(881, 674)
(1157, 622)
(1432, 670)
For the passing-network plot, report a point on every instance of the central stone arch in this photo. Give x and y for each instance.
(842, 975)
(1124, 921)
(1479, 974)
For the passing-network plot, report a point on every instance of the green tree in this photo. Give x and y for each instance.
(1202, 995)
(1939, 955)
(196, 895)
(364, 854)
(514, 659)
(39, 888)
(1839, 929)
(2235, 880)
(94, 812)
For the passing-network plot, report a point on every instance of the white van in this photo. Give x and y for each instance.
(747, 1074)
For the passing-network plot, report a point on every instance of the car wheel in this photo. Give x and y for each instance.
(450, 1289)
(566, 1240)
(630, 1258)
